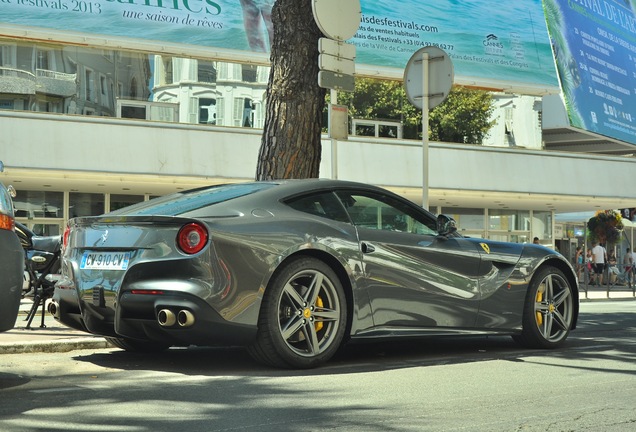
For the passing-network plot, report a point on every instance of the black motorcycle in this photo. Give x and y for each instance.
(41, 269)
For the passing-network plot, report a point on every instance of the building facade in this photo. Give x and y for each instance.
(88, 129)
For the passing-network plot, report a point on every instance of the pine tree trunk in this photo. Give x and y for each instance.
(290, 146)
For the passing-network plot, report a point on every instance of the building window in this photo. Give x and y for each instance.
(7, 55)
(85, 204)
(89, 85)
(207, 111)
(249, 73)
(467, 218)
(206, 71)
(42, 60)
(119, 201)
(509, 220)
(37, 204)
(542, 226)
(103, 88)
(133, 112)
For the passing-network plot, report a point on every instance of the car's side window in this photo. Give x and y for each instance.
(375, 212)
(324, 204)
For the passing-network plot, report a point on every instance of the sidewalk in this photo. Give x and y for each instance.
(55, 337)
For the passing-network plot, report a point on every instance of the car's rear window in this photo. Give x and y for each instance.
(184, 202)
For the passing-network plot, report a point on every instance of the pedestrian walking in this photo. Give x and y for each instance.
(599, 256)
(628, 262)
(578, 261)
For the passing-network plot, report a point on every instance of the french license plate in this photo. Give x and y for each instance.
(105, 261)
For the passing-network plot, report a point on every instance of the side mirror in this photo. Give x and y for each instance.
(446, 225)
(11, 191)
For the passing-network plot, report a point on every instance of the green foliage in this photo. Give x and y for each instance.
(464, 117)
(605, 226)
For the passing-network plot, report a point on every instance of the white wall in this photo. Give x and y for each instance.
(58, 142)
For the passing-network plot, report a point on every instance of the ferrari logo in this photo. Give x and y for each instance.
(485, 247)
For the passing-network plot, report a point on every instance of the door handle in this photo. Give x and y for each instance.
(367, 248)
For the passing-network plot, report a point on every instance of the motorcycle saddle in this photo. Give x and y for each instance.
(47, 244)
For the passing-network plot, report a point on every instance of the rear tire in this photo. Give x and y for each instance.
(303, 316)
(133, 345)
(548, 312)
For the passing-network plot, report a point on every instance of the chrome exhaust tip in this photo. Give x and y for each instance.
(166, 318)
(54, 309)
(185, 318)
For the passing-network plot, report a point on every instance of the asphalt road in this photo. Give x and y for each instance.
(468, 384)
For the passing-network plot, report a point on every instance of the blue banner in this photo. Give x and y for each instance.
(486, 40)
(594, 43)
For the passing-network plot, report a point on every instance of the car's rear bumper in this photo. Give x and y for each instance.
(136, 316)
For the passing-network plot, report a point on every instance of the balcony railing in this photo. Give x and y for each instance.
(44, 73)
(16, 73)
(56, 83)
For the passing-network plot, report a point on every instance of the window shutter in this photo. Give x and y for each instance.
(220, 111)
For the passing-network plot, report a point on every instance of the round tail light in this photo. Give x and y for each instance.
(192, 238)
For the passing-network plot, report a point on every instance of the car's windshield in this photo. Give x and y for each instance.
(183, 202)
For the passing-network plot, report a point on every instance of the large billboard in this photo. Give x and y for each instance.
(492, 43)
(594, 45)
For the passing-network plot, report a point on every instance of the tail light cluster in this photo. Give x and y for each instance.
(192, 238)
(7, 222)
(65, 235)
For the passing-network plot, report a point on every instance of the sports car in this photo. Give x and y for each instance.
(294, 269)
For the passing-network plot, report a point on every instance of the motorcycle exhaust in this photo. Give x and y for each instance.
(54, 309)
(166, 318)
(185, 318)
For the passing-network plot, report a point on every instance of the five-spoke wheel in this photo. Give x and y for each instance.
(303, 316)
(549, 310)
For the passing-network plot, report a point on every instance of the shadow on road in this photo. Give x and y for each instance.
(606, 336)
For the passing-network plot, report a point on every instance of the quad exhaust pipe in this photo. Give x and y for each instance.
(167, 318)
(185, 318)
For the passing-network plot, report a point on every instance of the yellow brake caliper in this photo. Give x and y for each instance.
(539, 300)
(319, 304)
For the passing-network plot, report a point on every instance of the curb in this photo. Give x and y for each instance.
(601, 299)
(60, 345)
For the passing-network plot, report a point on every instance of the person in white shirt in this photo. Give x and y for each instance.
(598, 258)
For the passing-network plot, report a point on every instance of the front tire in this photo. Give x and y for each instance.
(548, 311)
(303, 316)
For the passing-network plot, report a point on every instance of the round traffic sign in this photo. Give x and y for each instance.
(440, 77)
(337, 19)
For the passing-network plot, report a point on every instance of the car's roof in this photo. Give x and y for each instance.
(321, 183)
(224, 196)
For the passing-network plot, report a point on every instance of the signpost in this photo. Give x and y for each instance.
(339, 20)
(428, 79)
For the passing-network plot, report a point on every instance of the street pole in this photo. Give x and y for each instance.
(334, 142)
(425, 95)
